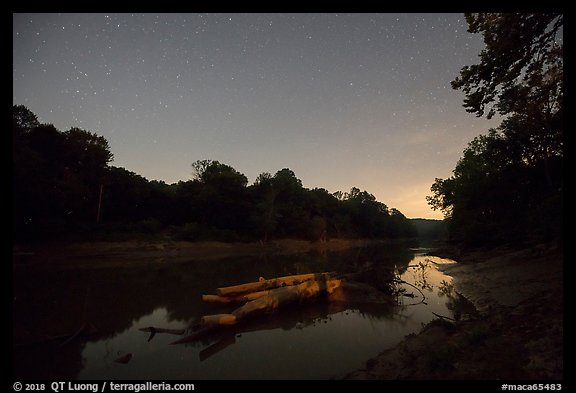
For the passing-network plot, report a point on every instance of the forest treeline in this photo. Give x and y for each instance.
(508, 185)
(64, 185)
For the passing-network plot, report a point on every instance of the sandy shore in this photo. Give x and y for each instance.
(518, 333)
(131, 253)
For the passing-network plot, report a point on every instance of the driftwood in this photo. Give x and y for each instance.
(267, 295)
(275, 298)
(263, 284)
(234, 299)
(264, 297)
(266, 301)
(153, 330)
(218, 319)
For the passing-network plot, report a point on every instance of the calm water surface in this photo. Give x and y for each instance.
(315, 341)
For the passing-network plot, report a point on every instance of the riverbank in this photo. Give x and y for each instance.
(518, 333)
(139, 252)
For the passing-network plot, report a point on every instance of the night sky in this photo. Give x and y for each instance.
(343, 100)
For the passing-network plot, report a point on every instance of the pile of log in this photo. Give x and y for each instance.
(267, 296)
(264, 296)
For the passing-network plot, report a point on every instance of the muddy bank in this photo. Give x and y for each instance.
(130, 253)
(517, 334)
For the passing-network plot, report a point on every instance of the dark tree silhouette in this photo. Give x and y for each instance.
(508, 184)
(58, 177)
(23, 120)
(521, 65)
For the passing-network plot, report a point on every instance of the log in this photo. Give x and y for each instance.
(216, 299)
(281, 296)
(152, 329)
(262, 285)
(234, 299)
(218, 319)
(273, 300)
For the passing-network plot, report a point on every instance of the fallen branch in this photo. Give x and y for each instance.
(443, 317)
(263, 284)
(418, 289)
(153, 330)
(234, 299)
(276, 298)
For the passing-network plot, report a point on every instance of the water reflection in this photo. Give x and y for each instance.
(436, 290)
(315, 341)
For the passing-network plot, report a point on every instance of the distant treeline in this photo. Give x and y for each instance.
(429, 229)
(63, 185)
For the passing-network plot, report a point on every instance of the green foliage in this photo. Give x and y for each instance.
(508, 184)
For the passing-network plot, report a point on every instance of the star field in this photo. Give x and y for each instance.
(341, 99)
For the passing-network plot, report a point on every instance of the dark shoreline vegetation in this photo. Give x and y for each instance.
(64, 187)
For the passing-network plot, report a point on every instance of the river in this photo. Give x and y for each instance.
(315, 341)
